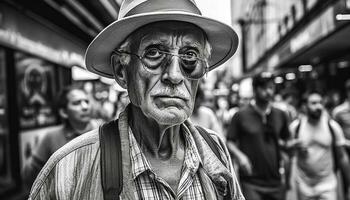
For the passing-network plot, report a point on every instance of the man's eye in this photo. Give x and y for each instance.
(75, 103)
(153, 53)
(190, 55)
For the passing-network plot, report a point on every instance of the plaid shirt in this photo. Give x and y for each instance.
(202, 172)
(150, 186)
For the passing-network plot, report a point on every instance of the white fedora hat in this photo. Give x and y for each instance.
(134, 14)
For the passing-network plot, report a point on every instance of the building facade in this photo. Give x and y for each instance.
(304, 42)
(40, 43)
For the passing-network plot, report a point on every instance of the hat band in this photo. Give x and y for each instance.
(165, 6)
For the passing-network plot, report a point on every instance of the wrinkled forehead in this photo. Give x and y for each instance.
(169, 33)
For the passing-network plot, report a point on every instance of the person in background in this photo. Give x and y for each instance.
(233, 96)
(222, 111)
(73, 106)
(99, 108)
(319, 152)
(254, 137)
(233, 99)
(341, 114)
(158, 50)
(288, 103)
(331, 100)
(205, 116)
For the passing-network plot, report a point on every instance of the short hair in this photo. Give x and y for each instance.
(261, 79)
(308, 93)
(62, 97)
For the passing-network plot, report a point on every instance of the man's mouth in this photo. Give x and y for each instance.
(168, 100)
(84, 115)
(171, 97)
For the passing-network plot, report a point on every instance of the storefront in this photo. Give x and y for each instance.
(35, 62)
(313, 53)
(318, 54)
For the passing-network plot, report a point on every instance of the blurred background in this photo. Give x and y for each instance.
(304, 43)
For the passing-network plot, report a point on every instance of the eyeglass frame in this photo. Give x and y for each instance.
(206, 68)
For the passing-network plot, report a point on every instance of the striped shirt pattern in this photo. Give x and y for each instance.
(150, 186)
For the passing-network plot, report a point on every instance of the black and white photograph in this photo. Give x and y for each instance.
(175, 100)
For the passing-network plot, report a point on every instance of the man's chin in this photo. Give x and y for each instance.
(315, 116)
(85, 119)
(169, 116)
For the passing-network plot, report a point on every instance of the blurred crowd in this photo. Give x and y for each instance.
(270, 134)
(286, 144)
(80, 110)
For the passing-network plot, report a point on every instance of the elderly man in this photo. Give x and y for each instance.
(158, 50)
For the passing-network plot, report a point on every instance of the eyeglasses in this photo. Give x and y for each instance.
(155, 60)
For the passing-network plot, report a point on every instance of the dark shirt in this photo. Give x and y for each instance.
(258, 139)
(54, 139)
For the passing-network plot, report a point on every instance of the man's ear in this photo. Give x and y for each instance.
(118, 63)
(62, 112)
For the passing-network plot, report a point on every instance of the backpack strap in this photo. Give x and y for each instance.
(214, 147)
(210, 141)
(334, 148)
(111, 160)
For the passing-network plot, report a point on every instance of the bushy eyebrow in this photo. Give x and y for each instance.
(195, 45)
(164, 41)
(157, 44)
(154, 41)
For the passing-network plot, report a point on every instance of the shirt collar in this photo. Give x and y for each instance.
(260, 111)
(140, 164)
(192, 158)
(69, 133)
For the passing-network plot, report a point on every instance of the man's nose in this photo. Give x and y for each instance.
(172, 72)
(84, 105)
(270, 90)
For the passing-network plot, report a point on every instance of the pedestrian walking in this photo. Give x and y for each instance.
(73, 106)
(254, 138)
(319, 152)
(341, 114)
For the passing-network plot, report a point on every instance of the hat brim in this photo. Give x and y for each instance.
(222, 38)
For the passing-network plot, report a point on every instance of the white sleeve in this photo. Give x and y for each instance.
(293, 127)
(338, 133)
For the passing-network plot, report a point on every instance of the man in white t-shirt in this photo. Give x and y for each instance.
(319, 152)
